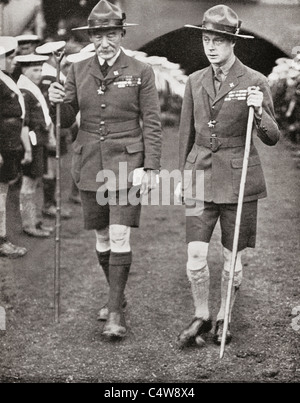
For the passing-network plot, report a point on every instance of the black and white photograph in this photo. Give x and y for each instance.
(149, 194)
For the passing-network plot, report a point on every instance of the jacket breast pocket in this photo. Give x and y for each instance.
(135, 155)
(76, 161)
(255, 183)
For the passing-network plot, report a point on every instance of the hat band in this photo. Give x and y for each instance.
(220, 27)
(105, 23)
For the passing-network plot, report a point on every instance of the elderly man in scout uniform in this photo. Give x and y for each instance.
(37, 122)
(212, 142)
(12, 114)
(112, 92)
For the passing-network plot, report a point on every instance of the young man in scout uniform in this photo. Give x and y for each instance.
(212, 142)
(49, 179)
(12, 114)
(37, 122)
(113, 92)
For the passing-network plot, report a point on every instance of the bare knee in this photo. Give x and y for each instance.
(197, 255)
(102, 240)
(120, 238)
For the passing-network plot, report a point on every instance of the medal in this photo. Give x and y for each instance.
(102, 89)
(211, 124)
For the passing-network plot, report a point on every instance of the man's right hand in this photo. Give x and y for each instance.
(56, 93)
(1, 161)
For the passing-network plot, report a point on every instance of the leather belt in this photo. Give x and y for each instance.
(106, 128)
(215, 143)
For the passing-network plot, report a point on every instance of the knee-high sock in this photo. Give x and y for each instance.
(103, 258)
(49, 188)
(3, 197)
(237, 281)
(28, 210)
(200, 283)
(119, 269)
(238, 277)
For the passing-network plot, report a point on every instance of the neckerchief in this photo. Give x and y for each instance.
(9, 82)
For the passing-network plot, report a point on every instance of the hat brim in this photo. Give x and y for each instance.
(87, 28)
(204, 29)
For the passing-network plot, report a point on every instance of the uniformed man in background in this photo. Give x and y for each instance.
(27, 44)
(12, 114)
(49, 179)
(37, 124)
(112, 92)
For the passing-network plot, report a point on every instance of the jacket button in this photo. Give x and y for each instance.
(103, 106)
(102, 123)
(102, 138)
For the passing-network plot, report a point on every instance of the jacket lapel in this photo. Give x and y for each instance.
(116, 69)
(95, 68)
(232, 80)
(208, 83)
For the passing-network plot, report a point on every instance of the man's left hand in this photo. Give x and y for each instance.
(149, 182)
(255, 99)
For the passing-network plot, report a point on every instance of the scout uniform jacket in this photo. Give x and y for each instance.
(111, 110)
(213, 134)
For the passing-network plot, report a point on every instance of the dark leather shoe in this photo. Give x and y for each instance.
(196, 328)
(219, 332)
(115, 327)
(103, 313)
(36, 232)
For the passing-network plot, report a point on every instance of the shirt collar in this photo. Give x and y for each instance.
(227, 66)
(110, 62)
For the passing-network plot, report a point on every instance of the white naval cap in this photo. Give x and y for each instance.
(89, 48)
(79, 57)
(27, 38)
(50, 47)
(31, 59)
(8, 44)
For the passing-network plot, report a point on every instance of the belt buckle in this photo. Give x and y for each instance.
(215, 143)
(103, 130)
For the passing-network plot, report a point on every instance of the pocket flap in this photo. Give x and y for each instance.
(238, 163)
(135, 148)
(77, 148)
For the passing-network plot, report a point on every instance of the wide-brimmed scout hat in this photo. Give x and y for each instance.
(31, 60)
(222, 20)
(50, 47)
(8, 45)
(106, 15)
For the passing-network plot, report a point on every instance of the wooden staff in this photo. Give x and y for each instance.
(237, 228)
(58, 57)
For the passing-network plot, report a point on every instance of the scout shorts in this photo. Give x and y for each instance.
(200, 227)
(98, 217)
(38, 167)
(11, 167)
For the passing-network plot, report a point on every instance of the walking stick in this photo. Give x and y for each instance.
(237, 227)
(58, 57)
